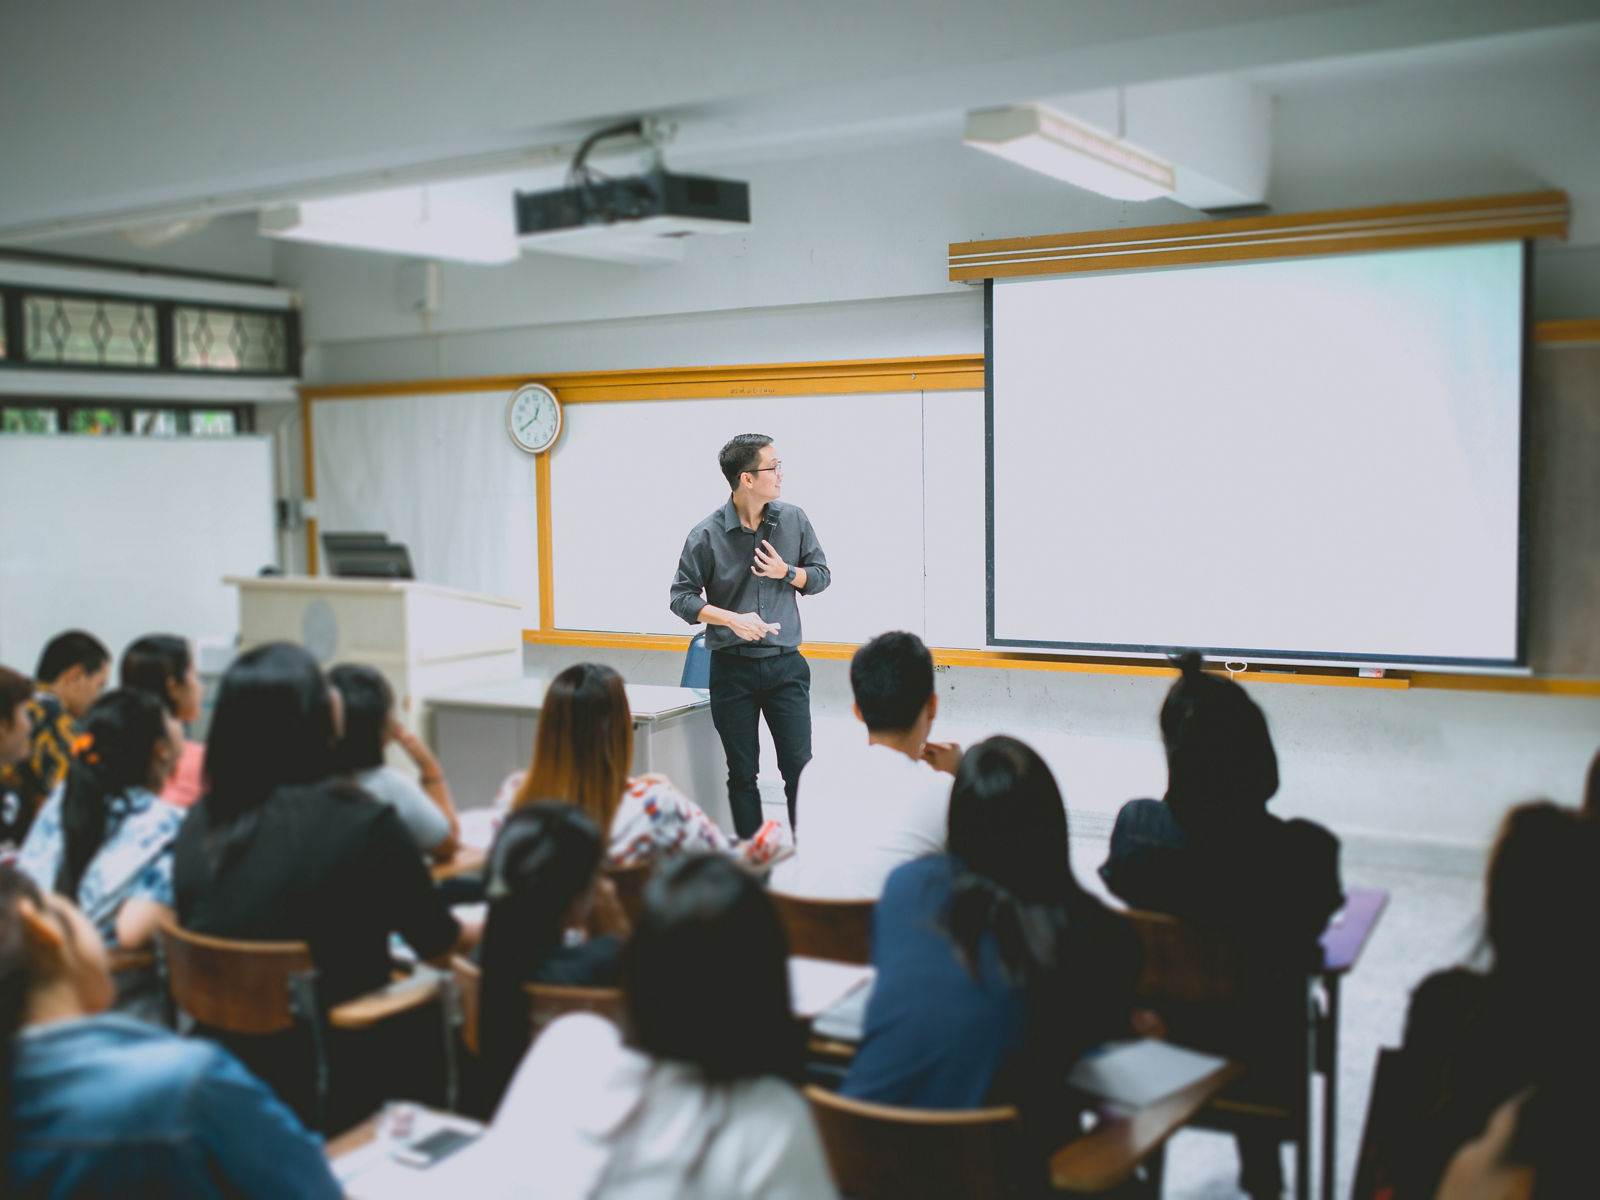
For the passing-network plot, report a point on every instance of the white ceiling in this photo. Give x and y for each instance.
(131, 114)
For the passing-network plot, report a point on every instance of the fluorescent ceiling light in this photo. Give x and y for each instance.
(1043, 140)
(415, 222)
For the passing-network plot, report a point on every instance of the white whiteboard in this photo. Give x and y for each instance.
(125, 536)
(630, 479)
(438, 473)
(1304, 458)
(893, 483)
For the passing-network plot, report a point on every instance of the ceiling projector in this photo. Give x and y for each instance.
(635, 219)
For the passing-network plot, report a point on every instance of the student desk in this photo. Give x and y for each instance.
(483, 733)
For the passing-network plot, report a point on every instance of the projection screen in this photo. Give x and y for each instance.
(1313, 458)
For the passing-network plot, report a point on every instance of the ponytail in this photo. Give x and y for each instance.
(1008, 831)
(1027, 936)
(119, 734)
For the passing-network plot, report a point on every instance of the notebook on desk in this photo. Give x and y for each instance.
(1136, 1074)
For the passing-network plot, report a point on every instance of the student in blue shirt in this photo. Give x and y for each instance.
(995, 968)
(98, 1105)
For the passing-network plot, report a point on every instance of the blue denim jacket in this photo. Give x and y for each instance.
(108, 1106)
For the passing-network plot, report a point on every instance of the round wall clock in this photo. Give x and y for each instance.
(533, 418)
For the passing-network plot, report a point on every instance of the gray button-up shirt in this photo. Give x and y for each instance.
(715, 569)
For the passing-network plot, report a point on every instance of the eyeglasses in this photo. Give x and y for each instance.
(776, 466)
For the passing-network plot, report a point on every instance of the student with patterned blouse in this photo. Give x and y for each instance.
(72, 673)
(582, 752)
(104, 839)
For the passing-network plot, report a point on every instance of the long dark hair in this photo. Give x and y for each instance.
(1008, 829)
(153, 663)
(272, 727)
(368, 700)
(1221, 767)
(706, 974)
(15, 687)
(117, 737)
(544, 858)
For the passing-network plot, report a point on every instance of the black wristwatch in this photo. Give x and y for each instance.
(789, 578)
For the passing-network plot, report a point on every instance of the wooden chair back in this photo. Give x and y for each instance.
(546, 1002)
(878, 1151)
(234, 986)
(468, 979)
(629, 882)
(1182, 963)
(840, 930)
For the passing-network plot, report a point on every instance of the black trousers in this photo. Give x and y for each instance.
(743, 690)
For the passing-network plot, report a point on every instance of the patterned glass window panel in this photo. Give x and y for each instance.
(208, 423)
(96, 420)
(85, 331)
(223, 339)
(29, 420)
(155, 422)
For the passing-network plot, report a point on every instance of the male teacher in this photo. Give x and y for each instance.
(740, 572)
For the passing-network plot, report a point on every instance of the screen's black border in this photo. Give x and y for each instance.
(1383, 658)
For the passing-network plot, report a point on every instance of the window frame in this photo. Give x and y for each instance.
(12, 312)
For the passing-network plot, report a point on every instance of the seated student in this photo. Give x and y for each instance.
(163, 665)
(698, 1102)
(72, 673)
(278, 849)
(583, 751)
(996, 970)
(98, 1105)
(1475, 1039)
(424, 803)
(885, 800)
(1211, 854)
(16, 735)
(104, 839)
(545, 892)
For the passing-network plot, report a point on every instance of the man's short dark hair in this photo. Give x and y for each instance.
(892, 677)
(74, 648)
(741, 454)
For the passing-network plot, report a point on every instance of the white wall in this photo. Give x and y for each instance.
(1416, 778)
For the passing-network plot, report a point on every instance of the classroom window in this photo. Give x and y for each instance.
(213, 423)
(223, 339)
(155, 422)
(89, 331)
(29, 420)
(96, 420)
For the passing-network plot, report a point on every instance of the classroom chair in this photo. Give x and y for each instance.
(262, 988)
(546, 1002)
(1189, 971)
(696, 664)
(834, 929)
(883, 1151)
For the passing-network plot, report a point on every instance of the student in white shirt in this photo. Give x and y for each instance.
(699, 1102)
(885, 800)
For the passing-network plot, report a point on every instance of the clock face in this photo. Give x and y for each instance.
(533, 418)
